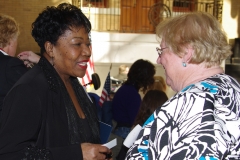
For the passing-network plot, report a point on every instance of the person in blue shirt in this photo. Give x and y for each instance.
(127, 100)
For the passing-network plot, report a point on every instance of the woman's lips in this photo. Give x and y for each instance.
(83, 64)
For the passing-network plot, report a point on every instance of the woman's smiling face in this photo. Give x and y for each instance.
(72, 52)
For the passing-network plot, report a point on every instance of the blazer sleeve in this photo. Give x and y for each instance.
(14, 70)
(20, 124)
(11, 71)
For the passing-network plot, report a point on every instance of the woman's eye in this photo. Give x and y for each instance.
(89, 44)
(78, 44)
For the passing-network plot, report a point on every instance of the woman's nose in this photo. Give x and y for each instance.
(87, 50)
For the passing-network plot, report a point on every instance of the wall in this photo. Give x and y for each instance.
(25, 12)
(124, 47)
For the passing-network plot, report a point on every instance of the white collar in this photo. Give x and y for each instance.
(4, 52)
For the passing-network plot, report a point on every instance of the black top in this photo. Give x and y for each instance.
(87, 129)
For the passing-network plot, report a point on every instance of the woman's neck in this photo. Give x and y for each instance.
(200, 74)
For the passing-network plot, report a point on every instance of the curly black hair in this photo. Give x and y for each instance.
(141, 74)
(52, 22)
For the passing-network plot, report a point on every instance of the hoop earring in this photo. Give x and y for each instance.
(184, 64)
(52, 61)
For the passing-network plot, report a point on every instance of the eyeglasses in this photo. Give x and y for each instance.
(160, 50)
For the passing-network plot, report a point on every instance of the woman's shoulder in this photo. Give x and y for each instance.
(34, 78)
(212, 84)
(218, 82)
(10, 61)
(128, 87)
(127, 90)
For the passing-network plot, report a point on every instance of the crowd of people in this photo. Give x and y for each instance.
(45, 113)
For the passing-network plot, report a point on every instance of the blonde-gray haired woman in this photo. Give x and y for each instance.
(202, 120)
(11, 68)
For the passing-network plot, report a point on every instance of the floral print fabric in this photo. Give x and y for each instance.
(201, 122)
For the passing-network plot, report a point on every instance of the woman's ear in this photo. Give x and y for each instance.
(49, 48)
(188, 55)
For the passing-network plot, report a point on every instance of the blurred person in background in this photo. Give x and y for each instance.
(117, 80)
(151, 101)
(122, 73)
(11, 68)
(159, 84)
(127, 100)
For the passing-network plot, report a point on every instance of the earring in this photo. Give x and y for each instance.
(184, 64)
(52, 60)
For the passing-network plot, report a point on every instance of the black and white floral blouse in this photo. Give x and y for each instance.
(201, 122)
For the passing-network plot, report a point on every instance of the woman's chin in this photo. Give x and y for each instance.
(82, 74)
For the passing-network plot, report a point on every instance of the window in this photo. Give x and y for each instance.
(183, 5)
(95, 3)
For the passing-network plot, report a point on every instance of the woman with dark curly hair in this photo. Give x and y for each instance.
(48, 114)
(127, 100)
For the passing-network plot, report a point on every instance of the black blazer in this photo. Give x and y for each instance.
(34, 114)
(11, 69)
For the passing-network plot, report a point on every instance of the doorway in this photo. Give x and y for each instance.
(134, 16)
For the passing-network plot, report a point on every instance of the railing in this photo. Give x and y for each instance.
(105, 14)
(213, 7)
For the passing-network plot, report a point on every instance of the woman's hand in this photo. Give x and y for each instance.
(95, 152)
(29, 58)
